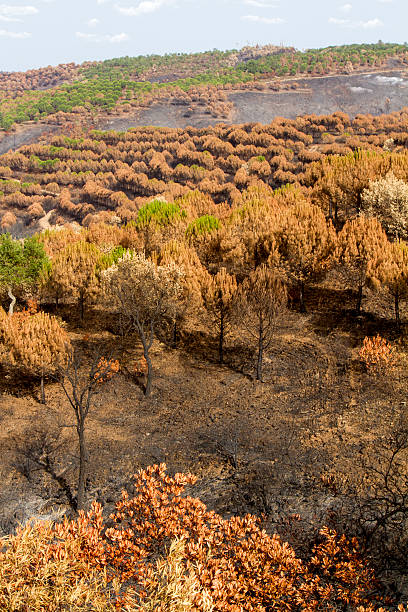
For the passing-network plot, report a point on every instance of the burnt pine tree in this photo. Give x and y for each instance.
(262, 299)
(362, 249)
(306, 243)
(73, 273)
(393, 273)
(80, 384)
(35, 343)
(220, 298)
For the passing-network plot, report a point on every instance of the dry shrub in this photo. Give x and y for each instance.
(106, 370)
(174, 589)
(8, 220)
(166, 552)
(38, 573)
(377, 355)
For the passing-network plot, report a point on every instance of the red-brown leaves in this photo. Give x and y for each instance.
(228, 565)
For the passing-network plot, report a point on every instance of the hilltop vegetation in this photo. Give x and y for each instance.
(126, 84)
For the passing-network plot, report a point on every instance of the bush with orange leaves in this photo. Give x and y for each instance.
(377, 355)
(106, 369)
(217, 565)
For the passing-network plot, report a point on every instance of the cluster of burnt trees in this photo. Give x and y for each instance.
(160, 256)
(188, 263)
(13, 84)
(236, 266)
(119, 171)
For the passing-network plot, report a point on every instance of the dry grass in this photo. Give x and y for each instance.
(38, 574)
(175, 590)
(35, 579)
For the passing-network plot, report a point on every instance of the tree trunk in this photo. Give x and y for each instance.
(148, 387)
(56, 301)
(42, 389)
(13, 301)
(330, 210)
(397, 311)
(83, 460)
(359, 299)
(260, 352)
(359, 194)
(302, 297)
(221, 339)
(175, 332)
(81, 306)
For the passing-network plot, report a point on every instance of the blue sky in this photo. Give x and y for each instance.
(36, 33)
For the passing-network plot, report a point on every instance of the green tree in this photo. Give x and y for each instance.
(21, 263)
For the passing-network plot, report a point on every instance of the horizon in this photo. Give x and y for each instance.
(203, 51)
(31, 36)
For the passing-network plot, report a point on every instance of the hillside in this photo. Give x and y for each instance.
(228, 298)
(198, 82)
(86, 177)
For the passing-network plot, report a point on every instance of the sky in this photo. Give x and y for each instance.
(35, 33)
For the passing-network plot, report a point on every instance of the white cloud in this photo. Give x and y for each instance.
(356, 25)
(267, 20)
(9, 19)
(259, 4)
(92, 23)
(346, 8)
(385, 1)
(337, 21)
(143, 8)
(104, 38)
(371, 23)
(17, 11)
(118, 38)
(8, 34)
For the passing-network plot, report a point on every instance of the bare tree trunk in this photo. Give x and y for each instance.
(83, 460)
(359, 299)
(13, 301)
(148, 388)
(81, 306)
(175, 332)
(302, 297)
(221, 339)
(397, 311)
(260, 351)
(42, 389)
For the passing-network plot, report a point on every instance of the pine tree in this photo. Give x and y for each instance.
(306, 242)
(37, 343)
(73, 273)
(362, 248)
(185, 258)
(393, 273)
(21, 263)
(262, 299)
(219, 296)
